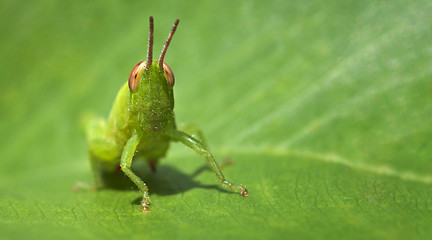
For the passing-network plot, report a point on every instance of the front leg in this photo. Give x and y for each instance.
(126, 163)
(199, 148)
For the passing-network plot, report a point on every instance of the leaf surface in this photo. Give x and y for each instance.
(324, 108)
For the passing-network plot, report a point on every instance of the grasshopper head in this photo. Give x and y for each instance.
(151, 84)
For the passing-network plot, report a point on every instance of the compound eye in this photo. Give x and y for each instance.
(169, 75)
(135, 75)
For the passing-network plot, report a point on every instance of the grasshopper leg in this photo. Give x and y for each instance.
(126, 163)
(201, 149)
(103, 150)
(195, 132)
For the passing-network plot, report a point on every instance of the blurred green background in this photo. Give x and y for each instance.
(324, 106)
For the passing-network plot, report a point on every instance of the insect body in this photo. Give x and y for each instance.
(141, 123)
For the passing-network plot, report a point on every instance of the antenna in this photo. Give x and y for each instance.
(150, 46)
(165, 47)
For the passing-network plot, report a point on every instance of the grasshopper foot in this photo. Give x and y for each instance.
(243, 191)
(231, 186)
(145, 206)
(145, 203)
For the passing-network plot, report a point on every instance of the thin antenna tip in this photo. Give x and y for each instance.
(151, 21)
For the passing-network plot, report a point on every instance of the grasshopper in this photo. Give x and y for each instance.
(141, 123)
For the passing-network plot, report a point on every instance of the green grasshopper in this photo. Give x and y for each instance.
(142, 123)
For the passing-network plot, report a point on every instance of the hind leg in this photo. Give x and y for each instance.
(103, 150)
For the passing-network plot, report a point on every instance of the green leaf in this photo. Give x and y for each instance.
(324, 107)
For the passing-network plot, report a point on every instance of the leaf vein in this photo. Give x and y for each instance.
(335, 159)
